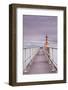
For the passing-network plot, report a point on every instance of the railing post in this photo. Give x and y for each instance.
(49, 55)
(25, 61)
(53, 67)
(30, 56)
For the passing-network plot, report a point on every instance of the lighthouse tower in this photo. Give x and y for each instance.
(46, 42)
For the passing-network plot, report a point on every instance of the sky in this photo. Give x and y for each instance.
(36, 28)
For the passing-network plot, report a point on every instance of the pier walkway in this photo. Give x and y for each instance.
(40, 64)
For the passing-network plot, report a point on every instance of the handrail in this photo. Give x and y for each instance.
(51, 60)
(52, 52)
(29, 55)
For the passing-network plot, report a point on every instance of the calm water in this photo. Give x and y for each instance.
(39, 44)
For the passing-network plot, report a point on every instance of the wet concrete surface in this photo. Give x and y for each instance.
(40, 64)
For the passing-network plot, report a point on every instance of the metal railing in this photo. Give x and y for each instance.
(29, 54)
(52, 55)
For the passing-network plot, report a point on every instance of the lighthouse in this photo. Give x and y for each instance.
(46, 41)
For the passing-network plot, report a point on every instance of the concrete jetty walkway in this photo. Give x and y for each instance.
(40, 64)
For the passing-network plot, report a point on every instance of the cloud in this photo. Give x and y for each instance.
(36, 27)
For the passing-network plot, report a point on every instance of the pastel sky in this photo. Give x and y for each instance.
(36, 28)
